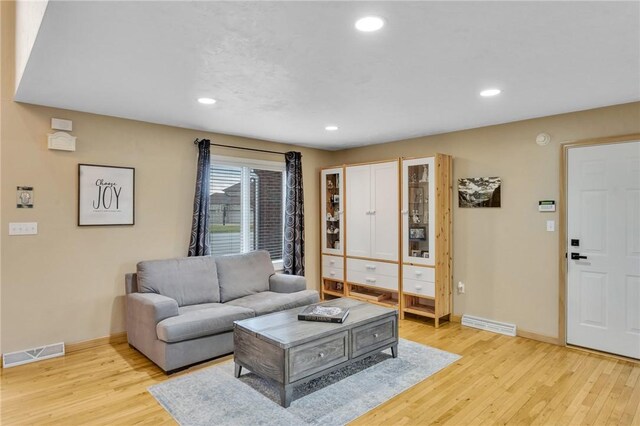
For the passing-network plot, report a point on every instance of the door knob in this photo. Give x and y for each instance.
(576, 256)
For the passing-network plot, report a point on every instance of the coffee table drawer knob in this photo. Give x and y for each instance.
(375, 335)
(321, 355)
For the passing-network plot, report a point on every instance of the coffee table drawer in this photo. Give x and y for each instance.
(312, 357)
(371, 336)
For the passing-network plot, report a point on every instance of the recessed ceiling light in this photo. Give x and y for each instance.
(207, 101)
(490, 92)
(369, 24)
(331, 128)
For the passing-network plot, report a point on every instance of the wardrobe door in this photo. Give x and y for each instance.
(418, 211)
(384, 211)
(331, 192)
(358, 210)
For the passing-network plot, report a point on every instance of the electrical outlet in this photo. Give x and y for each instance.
(460, 287)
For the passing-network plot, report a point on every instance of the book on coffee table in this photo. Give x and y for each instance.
(323, 314)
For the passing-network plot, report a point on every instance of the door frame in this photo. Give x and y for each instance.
(562, 209)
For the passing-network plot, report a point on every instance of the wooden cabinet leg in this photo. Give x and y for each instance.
(394, 351)
(237, 370)
(285, 395)
(437, 322)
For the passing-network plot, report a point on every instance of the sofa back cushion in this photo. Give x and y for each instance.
(189, 280)
(243, 274)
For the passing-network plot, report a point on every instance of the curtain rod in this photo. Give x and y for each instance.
(241, 147)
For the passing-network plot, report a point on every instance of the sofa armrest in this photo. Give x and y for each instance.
(150, 308)
(284, 283)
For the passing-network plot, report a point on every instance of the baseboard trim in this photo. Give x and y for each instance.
(523, 333)
(92, 343)
(539, 337)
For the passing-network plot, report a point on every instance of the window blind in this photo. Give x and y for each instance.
(246, 209)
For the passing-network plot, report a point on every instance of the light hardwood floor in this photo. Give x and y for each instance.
(499, 380)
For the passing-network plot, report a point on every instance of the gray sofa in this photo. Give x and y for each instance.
(181, 311)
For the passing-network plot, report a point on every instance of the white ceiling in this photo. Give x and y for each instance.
(282, 71)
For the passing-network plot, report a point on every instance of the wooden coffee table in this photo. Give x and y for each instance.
(280, 347)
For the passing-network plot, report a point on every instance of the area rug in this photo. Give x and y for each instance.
(215, 397)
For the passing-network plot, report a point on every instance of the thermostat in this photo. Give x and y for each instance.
(547, 206)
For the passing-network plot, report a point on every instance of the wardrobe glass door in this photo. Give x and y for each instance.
(332, 231)
(418, 199)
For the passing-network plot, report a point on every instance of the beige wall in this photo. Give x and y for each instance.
(506, 258)
(67, 283)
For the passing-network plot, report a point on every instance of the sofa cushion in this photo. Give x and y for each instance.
(201, 322)
(243, 274)
(268, 301)
(191, 308)
(189, 281)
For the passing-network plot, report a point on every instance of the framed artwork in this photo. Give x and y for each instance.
(479, 192)
(418, 233)
(106, 195)
(24, 197)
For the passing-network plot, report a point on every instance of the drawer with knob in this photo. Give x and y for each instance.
(418, 288)
(312, 357)
(332, 262)
(419, 274)
(373, 267)
(370, 336)
(372, 280)
(333, 273)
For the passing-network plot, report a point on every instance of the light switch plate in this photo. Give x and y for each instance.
(23, 228)
(551, 225)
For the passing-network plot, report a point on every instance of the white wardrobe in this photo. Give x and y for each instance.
(372, 231)
(386, 234)
(372, 221)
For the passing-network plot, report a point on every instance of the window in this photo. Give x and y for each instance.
(246, 207)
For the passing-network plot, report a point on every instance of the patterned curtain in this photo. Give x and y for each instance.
(199, 245)
(293, 256)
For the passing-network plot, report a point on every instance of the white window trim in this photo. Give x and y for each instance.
(277, 166)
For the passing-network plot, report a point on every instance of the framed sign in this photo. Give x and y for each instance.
(106, 195)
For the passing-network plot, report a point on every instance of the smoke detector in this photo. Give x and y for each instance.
(543, 139)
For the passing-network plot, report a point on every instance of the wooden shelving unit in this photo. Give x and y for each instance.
(418, 306)
(427, 277)
(332, 229)
(416, 211)
(373, 295)
(332, 288)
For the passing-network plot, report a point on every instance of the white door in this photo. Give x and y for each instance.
(358, 208)
(603, 273)
(384, 211)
